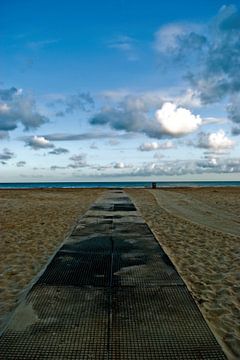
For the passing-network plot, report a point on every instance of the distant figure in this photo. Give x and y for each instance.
(154, 185)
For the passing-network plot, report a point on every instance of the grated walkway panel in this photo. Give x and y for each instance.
(59, 323)
(159, 323)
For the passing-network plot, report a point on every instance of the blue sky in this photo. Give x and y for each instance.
(119, 90)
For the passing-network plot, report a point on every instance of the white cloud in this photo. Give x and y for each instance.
(134, 115)
(219, 140)
(17, 107)
(215, 141)
(184, 167)
(38, 142)
(177, 121)
(191, 98)
(119, 165)
(156, 146)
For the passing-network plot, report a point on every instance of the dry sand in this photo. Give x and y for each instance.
(33, 224)
(200, 231)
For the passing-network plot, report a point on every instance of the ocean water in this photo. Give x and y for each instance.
(126, 184)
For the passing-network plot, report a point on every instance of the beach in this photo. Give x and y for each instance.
(33, 224)
(199, 228)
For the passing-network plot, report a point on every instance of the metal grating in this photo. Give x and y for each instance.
(71, 269)
(124, 207)
(160, 323)
(103, 207)
(131, 229)
(143, 271)
(133, 243)
(68, 323)
(95, 228)
(91, 243)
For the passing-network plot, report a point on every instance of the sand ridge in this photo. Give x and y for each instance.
(207, 259)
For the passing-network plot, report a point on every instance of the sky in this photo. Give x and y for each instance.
(119, 90)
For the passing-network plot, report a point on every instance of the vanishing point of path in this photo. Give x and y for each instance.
(110, 292)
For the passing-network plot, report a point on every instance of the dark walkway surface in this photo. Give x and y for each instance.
(110, 292)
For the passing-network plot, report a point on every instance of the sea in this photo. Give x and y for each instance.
(122, 184)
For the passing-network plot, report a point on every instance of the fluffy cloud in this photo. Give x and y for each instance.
(177, 39)
(213, 55)
(189, 98)
(156, 146)
(125, 117)
(133, 114)
(77, 102)
(38, 142)
(217, 141)
(58, 151)
(15, 108)
(121, 165)
(6, 154)
(219, 75)
(177, 121)
(211, 165)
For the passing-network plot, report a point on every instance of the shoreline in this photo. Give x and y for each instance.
(122, 185)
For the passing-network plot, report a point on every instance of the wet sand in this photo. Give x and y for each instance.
(33, 224)
(200, 231)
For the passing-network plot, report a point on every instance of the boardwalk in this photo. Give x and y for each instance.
(110, 292)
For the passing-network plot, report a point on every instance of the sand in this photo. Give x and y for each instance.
(33, 224)
(200, 231)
